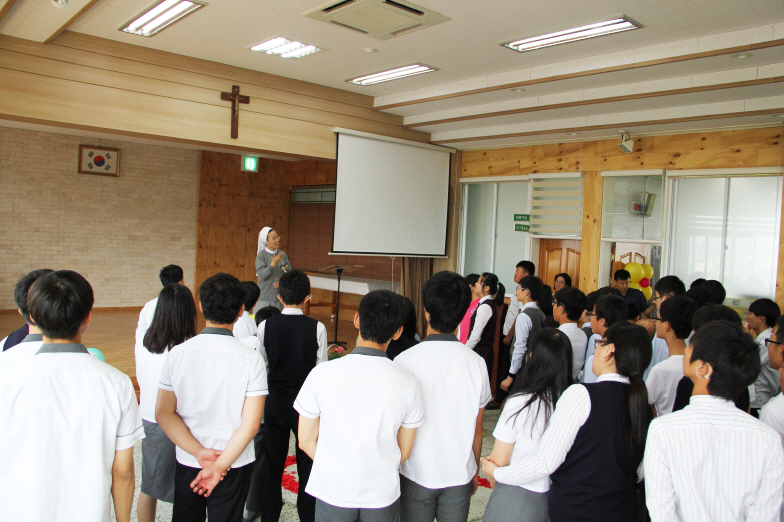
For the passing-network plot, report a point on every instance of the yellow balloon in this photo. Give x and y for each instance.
(635, 271)
(648, 292)
(647, 270)
(635, 285)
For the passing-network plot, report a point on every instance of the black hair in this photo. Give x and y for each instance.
(545, 301)
(446, 297)
(294, 287)
(590, 299)
(23, 287)
(566, 277)
(732, 353)
(527, 266)
(265, 313)
(550, 322)
(174, 321)
(696, 283)
(621, 275)
(678, 310)
(716, 290)
(170, 274)
(611, 308)
(669, 285)
(472, 279)
(713, 312)
(59, 302)
(766, 308)
(633, 352)
(573, 302)
(381, 313)
(534, 285)
(252, 293)
(632, 312)
(546, 374)
(699, 296)
(779, 328)
(410, 323)
(497, 290)
(221, 298)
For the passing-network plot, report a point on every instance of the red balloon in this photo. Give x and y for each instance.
(645, 282)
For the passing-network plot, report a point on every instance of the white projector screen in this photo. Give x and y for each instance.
(392, 197)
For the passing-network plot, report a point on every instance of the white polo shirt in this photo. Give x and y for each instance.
(579, 344)
(454, 384)
(211, 374)
(362, 400)
(64, 414)
(244, 327)
(22, 351)
(148, 371)
(663, 382)
(772, 414)
(145, 320)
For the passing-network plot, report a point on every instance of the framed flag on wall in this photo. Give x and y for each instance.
(99, 160)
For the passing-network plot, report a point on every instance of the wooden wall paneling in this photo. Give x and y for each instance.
(593, 187)
(313, 173)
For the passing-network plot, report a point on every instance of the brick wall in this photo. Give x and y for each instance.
(117, 232)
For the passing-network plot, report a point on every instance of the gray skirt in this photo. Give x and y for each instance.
(158, 463)
(515, 504)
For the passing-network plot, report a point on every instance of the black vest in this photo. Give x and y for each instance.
(537, 321)
(488, 334)
(597, 481)
(291, 346)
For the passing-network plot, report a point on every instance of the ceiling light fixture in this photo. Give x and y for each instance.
(741, 56)
(615, 25)
(286, 48)
(61, 4)
(160, 16)
(392, 74)
(518, 89)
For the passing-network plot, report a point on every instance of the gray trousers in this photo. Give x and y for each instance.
(262, 304)
(421, 504)
(515, 504)
(329, 513)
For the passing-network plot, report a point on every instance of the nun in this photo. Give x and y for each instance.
(271, 263)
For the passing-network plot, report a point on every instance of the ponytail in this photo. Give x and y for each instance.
(500, 294)
(490, 280)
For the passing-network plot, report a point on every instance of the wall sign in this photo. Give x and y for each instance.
(522, 228)
(99, 160)
(522, 217)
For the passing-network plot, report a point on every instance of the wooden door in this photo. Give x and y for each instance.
(558, 256)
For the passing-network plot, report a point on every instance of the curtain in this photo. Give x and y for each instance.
(416, 271)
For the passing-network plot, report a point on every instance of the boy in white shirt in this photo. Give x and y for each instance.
(168, 275)
(358, 420)
(568, 307)
(772, 413)
(608, 310)
(442, 473)
(245, 325)
(33, 340)
(210, 403)
(762, 317)
(529, 321)
(69, 420)
(674, 326)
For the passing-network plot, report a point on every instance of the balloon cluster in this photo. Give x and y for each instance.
(640, 277)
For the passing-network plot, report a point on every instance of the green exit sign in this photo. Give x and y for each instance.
(522, 228)
(250, 164)
(522, 217)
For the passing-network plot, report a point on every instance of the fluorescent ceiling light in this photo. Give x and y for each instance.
(392, 74)
(286, 48)
(616, 25)
(159, 16)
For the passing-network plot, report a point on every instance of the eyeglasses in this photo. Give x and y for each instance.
(659, 319)
(590, 314)
(556, 303)
(521, 288)
(652, 299)
(770, 341)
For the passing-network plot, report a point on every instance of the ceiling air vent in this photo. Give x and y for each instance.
(380, 19)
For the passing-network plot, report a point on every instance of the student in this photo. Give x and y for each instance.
(465, 324)
(666, 287)
(523, 269)
(210, 403)
(762, 317)
(409, 336)
(168, 275)
(24, 346)
(716, 291)
(173, 323)
(632, 295)
(528, 322)
(546, 375)
(696, 283)
(437, 481)
(545, 302)
(293, 345)
(567, 309)
(69, 420)
(265, 313)
(562, 280)
(483, 322)
(271, 264)
(699, 296)
(674, 326)
(772, 413)
(711, 461)
(358, 420)
(245, 325)
(609, 309)
(594, 443)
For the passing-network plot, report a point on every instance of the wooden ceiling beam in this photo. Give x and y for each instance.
(6, 7)
(70, 21)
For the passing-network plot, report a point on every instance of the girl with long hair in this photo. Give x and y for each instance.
(465, 324)
(545, 376)
(483, 320)
(174, 323)
(595, 440)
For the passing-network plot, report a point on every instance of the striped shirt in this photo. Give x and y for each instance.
(711, 461)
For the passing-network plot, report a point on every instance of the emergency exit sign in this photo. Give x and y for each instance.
(522, 228)
(522, 217)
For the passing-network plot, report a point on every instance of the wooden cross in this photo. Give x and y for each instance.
(235, 98)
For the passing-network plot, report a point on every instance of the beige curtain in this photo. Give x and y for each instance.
(416, 271)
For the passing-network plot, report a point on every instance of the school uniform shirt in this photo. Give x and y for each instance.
(322, 355)
(772, 414)
(767, 384)
(465, 325)
(454, 385)
(588, 375)
(361, 401)
(523, 326)
(663, 382)
(145, 320)
(244, 327)
(659, 352)
(711, 461)
(211, 374)
(483, 315)
(148, 371)
(579, 344)
(65, 414)
(511, 313)
(22, 351)
(15, 337)
(524, 430)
